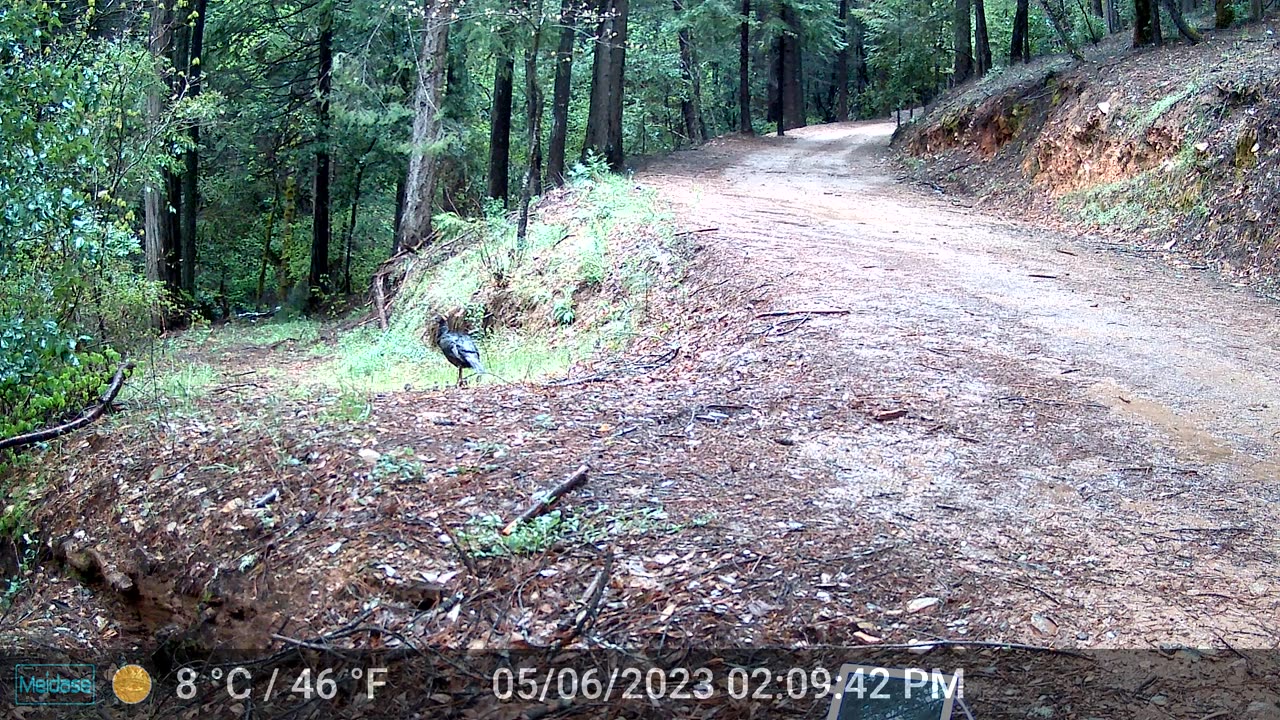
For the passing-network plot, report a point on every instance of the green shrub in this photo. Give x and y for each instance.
(45, 375)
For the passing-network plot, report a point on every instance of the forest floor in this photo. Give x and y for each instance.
(874, 417)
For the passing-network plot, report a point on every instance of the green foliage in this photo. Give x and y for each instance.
(482, 537)
(544, 328)
(350, 405)
(1157, 198)
(903, 41)
(46, 376)
(562, 311)
(73, 158)
(1165, 104)
(17, 533)
(398, 465)
(592, 168)
(604, 522)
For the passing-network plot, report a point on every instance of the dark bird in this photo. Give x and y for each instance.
(458, 348)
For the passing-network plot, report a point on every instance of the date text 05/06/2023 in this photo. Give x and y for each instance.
(860, 682)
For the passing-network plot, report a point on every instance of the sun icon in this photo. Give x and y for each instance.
(132, 684)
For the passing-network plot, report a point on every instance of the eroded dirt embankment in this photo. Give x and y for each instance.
(1171, 149)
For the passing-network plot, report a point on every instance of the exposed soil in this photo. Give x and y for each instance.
(1173, 148)
(1090, 436)
(1061, 445)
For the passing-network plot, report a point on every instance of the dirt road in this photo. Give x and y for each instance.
(1088, 454)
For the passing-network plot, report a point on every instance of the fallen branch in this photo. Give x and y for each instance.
(692, 232)
(656, 362)
(578, 477)
(927, 645)
(307, 645)
(113, 389)
(91, 562)
(780, 313)
(234, 386)
(590, 602)
(789, 330)
(463, 555)
(700, 288)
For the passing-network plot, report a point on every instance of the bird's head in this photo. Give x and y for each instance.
(442, 325)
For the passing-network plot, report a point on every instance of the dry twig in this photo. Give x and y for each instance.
(576, 478)
(816, 311)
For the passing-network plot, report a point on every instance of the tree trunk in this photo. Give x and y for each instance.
(861, 73)
(420, 182)
(790, 86)
(982, 45)
(318, 279)
(691, 98)
(1114, 22)
(532, 184)
(284, 278)
(1061, 26)
(963, 43)
(452, 181)
(744, 70)
(267, 255)
(1255, 10)
(561, 94)
(395, 230)
(841, 74)
(1223, 14)
(191, 171)
(778, 68)
(1020, 44)
(1175, 13)
(500, 120)
(533, 111)
(1095, 7)
(604, 114)
(357, 184)
(1142, 22)
(160, 218)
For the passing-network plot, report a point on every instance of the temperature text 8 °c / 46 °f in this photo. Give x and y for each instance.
(240, 684)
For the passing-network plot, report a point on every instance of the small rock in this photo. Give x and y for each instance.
(1044, 625)
(1261, 710)
(921, 604)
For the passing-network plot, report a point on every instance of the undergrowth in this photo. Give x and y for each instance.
(482, 536)
(578, 283)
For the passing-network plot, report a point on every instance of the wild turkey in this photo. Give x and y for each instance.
(458, 348)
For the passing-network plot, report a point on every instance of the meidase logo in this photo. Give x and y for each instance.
(54, 684)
